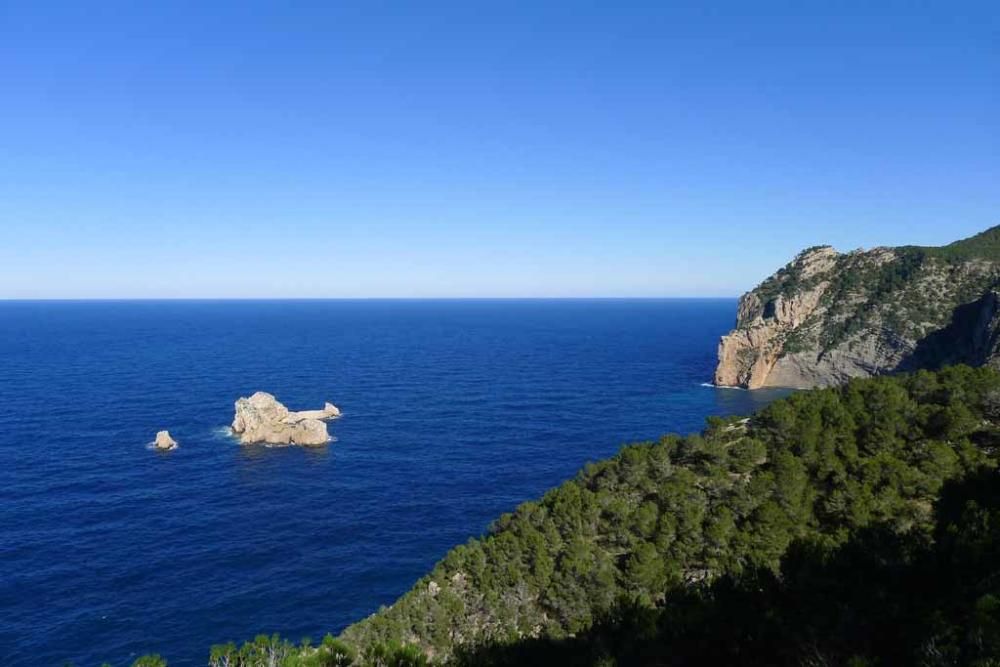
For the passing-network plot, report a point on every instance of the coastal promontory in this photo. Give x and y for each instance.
(262, 419)
(829, 316)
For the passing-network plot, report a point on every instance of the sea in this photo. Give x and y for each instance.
(454, 411)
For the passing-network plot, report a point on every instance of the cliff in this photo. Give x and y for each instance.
(829, 316)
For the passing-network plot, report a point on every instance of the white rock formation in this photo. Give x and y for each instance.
(164, 441)
(329, 411)
(262, 419)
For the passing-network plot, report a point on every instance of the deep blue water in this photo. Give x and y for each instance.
(454, 411)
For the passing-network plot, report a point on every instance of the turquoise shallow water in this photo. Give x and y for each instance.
(454, 411)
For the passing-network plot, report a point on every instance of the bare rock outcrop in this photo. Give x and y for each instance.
(164, 441)
(262, 419)
(827, 316)
(748, 354)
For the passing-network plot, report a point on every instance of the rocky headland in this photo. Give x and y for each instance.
(262, 419)
(829, 316)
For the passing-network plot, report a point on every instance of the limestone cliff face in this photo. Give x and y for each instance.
(749, 353)
(828, 316)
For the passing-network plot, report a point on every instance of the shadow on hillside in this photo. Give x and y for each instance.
(880, 599)
(968, 339)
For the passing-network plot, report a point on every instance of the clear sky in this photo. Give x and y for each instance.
(329, 149)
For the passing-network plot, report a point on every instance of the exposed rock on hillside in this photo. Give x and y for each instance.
(262, 419)
(828, 316)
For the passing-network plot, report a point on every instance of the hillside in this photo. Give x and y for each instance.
(829, 316)
(660, 520)
(881, 598)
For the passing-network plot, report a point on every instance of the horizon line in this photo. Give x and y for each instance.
(365, 298)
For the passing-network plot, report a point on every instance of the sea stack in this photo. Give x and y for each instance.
(261, 418)
(164, 441)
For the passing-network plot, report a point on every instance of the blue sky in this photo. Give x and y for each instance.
(321, 149)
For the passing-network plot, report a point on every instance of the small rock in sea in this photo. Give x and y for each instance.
(164, 441)
(262, 419)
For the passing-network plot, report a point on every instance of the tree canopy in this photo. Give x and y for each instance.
(676, 514)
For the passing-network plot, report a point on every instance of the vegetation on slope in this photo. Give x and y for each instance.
(274, 651)
(789, 279)
(905, 293)
(985, 245)
(661, 517)
(881, 598)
